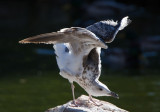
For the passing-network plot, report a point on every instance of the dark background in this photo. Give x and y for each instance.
(137, 46)
(29, 73)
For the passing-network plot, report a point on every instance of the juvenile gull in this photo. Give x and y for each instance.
(78, 53)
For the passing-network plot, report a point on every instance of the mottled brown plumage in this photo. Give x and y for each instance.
(78, 53)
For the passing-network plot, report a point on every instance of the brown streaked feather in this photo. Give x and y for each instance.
(67, 35)
(47, 38)
(91, 63)
(79, 39)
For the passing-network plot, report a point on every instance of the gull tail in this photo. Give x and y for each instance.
(120, 26)
(124, 22)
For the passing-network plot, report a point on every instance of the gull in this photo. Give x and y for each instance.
(78, 53)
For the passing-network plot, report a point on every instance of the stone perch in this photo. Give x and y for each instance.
(85, 106)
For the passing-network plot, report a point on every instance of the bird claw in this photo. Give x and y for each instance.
(74, 104)
(96, 104)
(92, 101)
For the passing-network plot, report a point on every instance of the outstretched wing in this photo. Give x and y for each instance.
(75, 36)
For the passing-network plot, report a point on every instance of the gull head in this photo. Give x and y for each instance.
(100, 89)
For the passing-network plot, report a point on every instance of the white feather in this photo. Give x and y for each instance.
(124, 22)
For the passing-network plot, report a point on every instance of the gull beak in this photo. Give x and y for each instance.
(113, 94)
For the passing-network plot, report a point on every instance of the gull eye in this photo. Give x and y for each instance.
(100, 89)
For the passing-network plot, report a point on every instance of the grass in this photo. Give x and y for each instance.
(38, 91)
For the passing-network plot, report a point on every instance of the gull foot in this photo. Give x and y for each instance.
(74, 104)
(92, 101)
(95, 103)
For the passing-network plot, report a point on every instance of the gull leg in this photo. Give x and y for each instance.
(74, 101)
(72, 86)
(91, 99)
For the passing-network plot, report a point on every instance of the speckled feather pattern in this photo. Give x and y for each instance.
(89, 68)
(78, 52)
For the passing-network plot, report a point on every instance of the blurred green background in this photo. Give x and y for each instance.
(29, 76)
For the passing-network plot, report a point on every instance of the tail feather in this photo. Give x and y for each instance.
(124, 22)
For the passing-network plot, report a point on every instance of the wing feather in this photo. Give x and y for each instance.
(47, 38)
(67, 35)
(75, 36)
